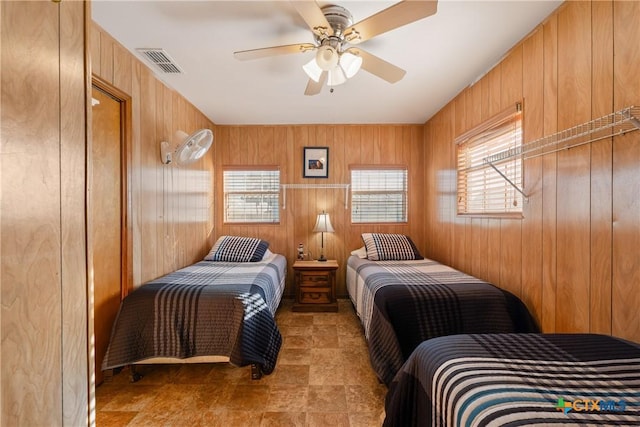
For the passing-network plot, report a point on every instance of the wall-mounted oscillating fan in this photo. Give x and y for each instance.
(190, 147)
(334, 33)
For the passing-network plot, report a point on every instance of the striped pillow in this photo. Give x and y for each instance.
(390, 247)
(237, 249)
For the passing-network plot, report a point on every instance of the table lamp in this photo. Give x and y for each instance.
(323, 225)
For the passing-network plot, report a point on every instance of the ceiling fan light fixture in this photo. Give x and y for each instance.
(327, 57)
(350, 63)
(336, 77)
(333, 30)
(312, 70)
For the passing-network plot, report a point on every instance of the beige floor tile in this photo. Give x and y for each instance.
(326, 419)
(288, 374)
(231, 418)
(114, 418)
(287, 398)
(132, 398)
(373, 419)
(283, 419)
(248, 397)
(326, 375)
(327, 398)
(325, 341)
(297, 341)
(295, 356)
(362, 398)
(323, 330)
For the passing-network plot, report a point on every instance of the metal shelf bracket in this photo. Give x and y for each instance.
(518, 189)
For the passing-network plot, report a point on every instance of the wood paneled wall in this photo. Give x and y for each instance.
(44, 306)
(282, 146)
(574, 257)
(172, 206)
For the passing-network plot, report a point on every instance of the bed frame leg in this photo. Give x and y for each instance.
(256, 372)
(135, 376)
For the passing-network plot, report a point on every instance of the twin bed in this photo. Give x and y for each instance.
(517, 379)
(403, 300)
(457, 351)
(219, 309)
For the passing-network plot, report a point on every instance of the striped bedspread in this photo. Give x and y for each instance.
(402, 303)
(206, 309)
(518, 379)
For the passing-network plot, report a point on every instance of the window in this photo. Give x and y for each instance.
(379, 195)
(251, 195)
(481, 189)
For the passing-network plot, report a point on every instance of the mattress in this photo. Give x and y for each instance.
(517, 379)
(206, 309)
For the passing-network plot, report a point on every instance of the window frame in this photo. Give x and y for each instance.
(507, 117)
(248, 169)
(404, 168)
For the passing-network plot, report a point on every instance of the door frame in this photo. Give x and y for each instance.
(126, 237)
(126, 240)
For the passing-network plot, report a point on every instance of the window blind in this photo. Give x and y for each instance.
(251, 195)
(378, 195)
(481, 190)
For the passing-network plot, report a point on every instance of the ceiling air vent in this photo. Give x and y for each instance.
(161, 59)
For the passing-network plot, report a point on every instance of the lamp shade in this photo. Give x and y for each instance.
(350, 63)
(313, 70)
(323, 224)
(336, 77)
(327, 57)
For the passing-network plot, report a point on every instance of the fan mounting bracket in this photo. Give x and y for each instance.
(166, 155)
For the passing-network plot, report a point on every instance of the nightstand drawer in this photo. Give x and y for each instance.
(314, 278)
(315, 295)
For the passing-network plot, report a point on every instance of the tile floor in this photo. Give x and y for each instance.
(323, 378)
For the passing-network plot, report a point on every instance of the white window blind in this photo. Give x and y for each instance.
(378, 195)
(251, 196)
(481, 190)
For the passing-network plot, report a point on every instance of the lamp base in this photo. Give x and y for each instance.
(322, 259)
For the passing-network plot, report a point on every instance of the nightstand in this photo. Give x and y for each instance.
(315, 285)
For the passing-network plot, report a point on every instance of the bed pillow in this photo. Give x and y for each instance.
(360, 252)
(390, 247)
(237, 249)
(267, 254)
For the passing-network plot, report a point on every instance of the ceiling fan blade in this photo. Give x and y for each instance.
(379, 67)
(402, 13)
(313, 16)
(244, 55)
(313, 87)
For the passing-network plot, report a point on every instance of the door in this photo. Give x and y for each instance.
(107, 212)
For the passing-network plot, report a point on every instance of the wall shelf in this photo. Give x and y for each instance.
(614, 124)
(314, 186)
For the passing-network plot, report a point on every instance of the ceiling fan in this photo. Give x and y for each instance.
(334, 33)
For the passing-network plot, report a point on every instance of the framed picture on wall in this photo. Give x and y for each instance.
(315, 162)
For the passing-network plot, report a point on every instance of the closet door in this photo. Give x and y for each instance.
(107, 213)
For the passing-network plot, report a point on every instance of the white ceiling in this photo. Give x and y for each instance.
(442, 55)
